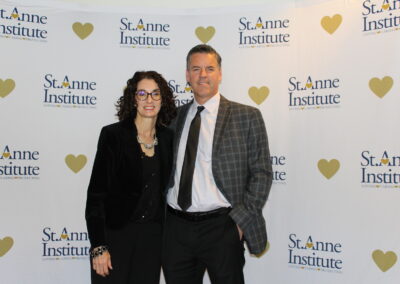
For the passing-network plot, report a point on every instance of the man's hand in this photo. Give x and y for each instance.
(240, 232)
(102, 264)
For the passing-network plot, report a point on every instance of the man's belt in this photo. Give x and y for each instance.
(199, 216)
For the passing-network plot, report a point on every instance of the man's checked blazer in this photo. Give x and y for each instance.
(240, 164)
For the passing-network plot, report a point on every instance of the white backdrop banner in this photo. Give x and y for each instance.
(325, 76)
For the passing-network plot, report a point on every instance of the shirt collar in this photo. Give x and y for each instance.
(210, 106)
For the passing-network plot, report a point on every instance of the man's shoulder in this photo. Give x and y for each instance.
(184, 106)
(239, 108)
(183, 109)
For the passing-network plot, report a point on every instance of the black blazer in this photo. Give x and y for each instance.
(116, 182)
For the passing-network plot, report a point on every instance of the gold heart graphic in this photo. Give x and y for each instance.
(258, 95)
(328, 169)
(309, 245)
(385, 161)
(205, 34)
(82, 31)
(6, 155)
(140, 27)
(64, 236)
(330, 24)
(14, 15)
(308, 85)
(65, 84)
(381, 87)
(6, 87)
(188, 89)
(75, 163)
(385, 6)
(384, 260)
(5, 245)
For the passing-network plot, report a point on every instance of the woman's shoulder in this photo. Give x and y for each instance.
(165, 131)
(113, 126)
(117, 126)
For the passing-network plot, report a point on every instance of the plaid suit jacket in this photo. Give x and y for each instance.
(240, 164)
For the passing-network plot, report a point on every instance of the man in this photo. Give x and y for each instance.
(221, 179)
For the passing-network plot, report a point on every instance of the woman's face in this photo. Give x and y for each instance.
(148, 98)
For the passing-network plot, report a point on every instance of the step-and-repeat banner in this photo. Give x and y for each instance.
(325, 76)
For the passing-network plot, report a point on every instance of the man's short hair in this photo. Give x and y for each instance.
(203, 48)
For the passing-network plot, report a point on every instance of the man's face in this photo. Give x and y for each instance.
(204, 76)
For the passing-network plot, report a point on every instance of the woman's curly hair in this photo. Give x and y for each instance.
(126, 104)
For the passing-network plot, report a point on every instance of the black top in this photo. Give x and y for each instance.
(148, 209)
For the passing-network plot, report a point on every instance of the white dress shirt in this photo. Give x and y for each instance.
(205, 194)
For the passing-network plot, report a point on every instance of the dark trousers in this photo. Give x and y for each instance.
(135, 255)
(190, 247)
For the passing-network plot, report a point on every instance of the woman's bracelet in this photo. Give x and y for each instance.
(98, 251)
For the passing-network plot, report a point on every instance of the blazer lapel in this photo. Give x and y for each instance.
(222, 118)
(180, 123)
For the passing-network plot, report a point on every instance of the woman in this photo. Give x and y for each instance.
(124, 208)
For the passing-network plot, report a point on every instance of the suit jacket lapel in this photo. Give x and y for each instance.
(180, 123)
(222, 118)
